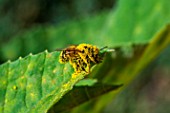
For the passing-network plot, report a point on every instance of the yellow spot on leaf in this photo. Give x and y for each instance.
(4, 82)
(48, 55)
(55, 70)
(65, 85)
(14, 87)
(6, 100)
(22, 77)
(32, 95)
(65, 69)
(10, 72)
(43, 80)
(138, 30)
(30, 86)
(21, 84)
(30, 66)
(53, 81)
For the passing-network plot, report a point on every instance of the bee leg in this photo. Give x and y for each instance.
(88, 69)
(84, 66)
(88, 64)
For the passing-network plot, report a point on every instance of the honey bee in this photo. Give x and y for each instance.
(81, 56)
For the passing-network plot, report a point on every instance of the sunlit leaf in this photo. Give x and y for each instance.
(34, 83)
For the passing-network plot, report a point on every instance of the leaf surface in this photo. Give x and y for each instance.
(34, 83)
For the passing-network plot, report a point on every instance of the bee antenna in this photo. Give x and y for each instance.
(107, 49)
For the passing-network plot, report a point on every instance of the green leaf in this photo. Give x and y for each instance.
(86, 82)
(123, 69)
(81, 94)
(123, 27)
(34, 83)
(135, 21)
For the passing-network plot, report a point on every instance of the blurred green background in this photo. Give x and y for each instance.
(32, 25)
(35, 25)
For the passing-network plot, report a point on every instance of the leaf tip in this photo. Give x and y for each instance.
(9, 61)
(20, 58)
(30, 54)
(46, 51)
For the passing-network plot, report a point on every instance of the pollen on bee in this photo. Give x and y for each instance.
(74, 75)
(80, 57)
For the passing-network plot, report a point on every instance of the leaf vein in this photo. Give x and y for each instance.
(26, 83)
